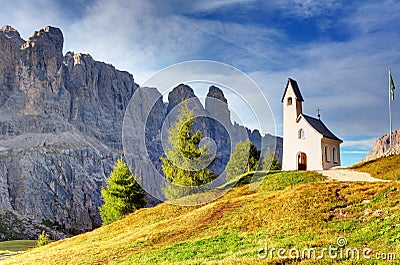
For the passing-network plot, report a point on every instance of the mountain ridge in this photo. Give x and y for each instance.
(58, 139)
(61, 120)
(382, 146)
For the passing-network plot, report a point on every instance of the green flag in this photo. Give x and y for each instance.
(391, 86)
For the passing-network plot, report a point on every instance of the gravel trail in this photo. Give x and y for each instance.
(349, 175)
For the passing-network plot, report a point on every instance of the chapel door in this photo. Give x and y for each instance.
(301, 161)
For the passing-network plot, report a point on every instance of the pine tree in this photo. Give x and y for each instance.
(270, 161)
(43, 240)
(186, 160)
(122, 195)
(244, 158)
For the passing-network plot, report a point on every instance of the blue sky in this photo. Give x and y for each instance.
(338, 51)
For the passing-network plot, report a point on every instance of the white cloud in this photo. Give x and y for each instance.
(143, 36)
(310, 8)
(347, 78)
(361, 143)
(210, 5)
(28, 16)
(355, 152)
(375, 16)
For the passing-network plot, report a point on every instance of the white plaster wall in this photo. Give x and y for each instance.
(289, 130)
(292, 145)
(330, 144)
(313, 144)
(310, 145)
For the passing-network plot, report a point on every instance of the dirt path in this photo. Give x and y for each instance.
(349, 175)
(6, 256)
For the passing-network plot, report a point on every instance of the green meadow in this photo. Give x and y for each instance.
(289, 210)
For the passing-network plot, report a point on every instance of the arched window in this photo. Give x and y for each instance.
(302, 134)
(334, 155)
(327, 154)
(289, 101)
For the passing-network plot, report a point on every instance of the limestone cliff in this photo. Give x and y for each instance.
(382, 146)
(60, 133)
(61, 120)
(218, 126)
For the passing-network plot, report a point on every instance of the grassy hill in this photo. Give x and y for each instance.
(289, 210)
(383, 168)
(11, 248)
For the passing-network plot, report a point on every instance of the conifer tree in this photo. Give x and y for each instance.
(186, 160)
(244, 158)
(270, 161)
(122, 195)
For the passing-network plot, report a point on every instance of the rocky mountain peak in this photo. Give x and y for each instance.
(48, 37)
(61, 132)
(80, 57)
(73, 58)
(178, 94)
(8, 28)
(41, 58)
(10, 43)
(67, 119)
(217, 105)
(382, 146)
(217, 93)
(11, 34)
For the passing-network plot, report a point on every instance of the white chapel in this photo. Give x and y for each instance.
(307, 143)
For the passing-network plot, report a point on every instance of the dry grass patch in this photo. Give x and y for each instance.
(289, 209)
(383, 168)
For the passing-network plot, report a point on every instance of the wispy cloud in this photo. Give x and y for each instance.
(141, 36)
(25, 15)
(355, 152)
(347, 79)
(311, 8)
(361, 143)
(373, 16)
(211, 5)
(339, 52)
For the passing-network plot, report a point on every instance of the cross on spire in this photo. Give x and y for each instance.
(319, 113)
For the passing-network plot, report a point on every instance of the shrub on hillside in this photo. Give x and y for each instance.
(43, 240)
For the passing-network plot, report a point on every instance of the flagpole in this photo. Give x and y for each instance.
(390, 114)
